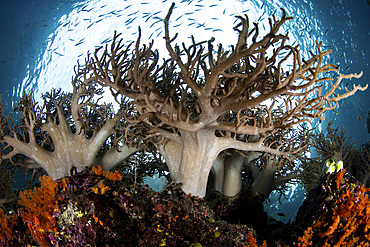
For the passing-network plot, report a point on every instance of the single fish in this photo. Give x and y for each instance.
(127, 6)
(133, 13)
(59, 54)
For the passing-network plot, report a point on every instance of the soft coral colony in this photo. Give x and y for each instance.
(204, 110)
(341, 216)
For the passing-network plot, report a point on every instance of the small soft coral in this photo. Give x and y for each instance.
(110, 175)
(346, 220)
(39, 205)
(305, 240)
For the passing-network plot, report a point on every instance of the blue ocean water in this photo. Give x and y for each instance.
(41, 40)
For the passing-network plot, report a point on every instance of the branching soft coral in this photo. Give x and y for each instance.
(208, 100)
(329, 144)
(68, 130)
(333, 144)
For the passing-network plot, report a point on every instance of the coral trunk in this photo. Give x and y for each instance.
(198, 154)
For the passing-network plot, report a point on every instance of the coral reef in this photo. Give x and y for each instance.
(197, 105)
(201, 108)
(99, 208)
